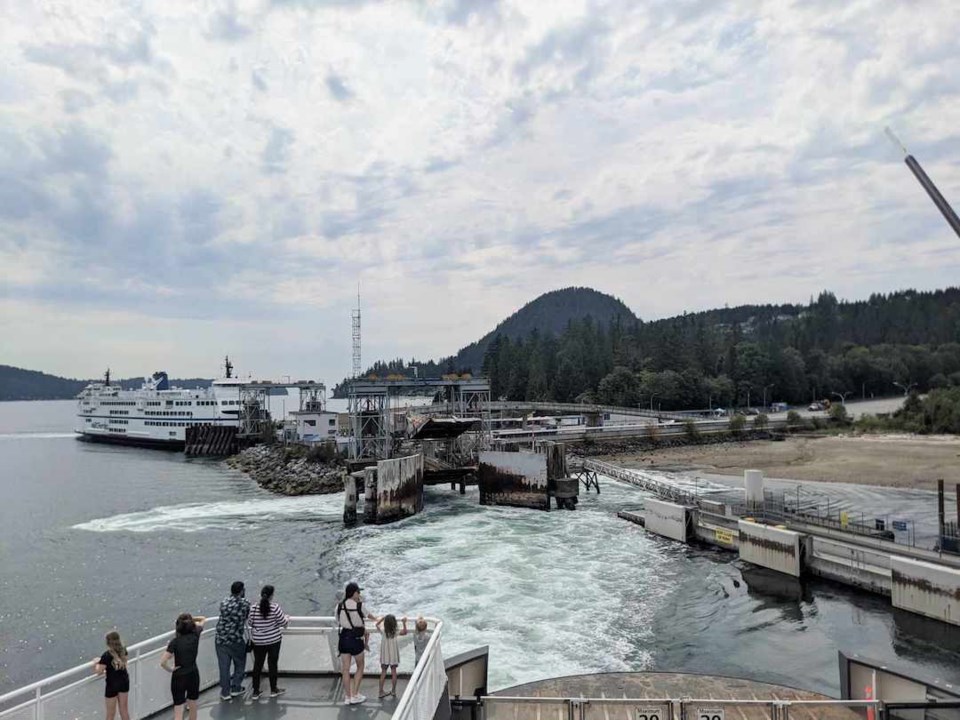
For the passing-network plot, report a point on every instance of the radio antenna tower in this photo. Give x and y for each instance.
(356, 337)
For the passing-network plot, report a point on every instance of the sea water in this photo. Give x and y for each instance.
(95, 537)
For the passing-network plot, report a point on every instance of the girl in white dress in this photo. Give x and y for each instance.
(389, 650)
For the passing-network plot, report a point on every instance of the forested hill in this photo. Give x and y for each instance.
(19, 384)
(732, 356)
(549, 314)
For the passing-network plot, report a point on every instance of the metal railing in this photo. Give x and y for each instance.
(77, 693)
(495, 707)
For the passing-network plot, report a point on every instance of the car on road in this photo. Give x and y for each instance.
(815, 407)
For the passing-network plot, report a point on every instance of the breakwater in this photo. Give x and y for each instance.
(288, 470)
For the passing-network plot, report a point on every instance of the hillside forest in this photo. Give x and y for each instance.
(731, 357)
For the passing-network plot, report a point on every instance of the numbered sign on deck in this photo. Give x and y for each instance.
(653, 712)
(706, 713)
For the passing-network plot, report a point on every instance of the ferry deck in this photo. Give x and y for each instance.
(455, 689)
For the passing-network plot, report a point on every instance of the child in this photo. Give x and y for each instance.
(420, 638)
(113, 664)
(389, 651)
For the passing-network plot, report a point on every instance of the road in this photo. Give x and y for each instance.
(856, 408)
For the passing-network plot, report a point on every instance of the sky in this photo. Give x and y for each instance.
(183, 180)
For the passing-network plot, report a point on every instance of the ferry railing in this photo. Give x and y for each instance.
(425, 687)
(496, 707)
(77, 693)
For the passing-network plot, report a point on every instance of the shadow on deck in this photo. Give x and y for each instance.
(315, 697)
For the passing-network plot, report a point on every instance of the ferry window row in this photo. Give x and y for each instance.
(117, 430)
(160, 423)
(166, 413)
(117, 402)
(118, 421)
(229, 402)
(119, 412)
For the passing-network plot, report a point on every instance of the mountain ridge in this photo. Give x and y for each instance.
(22, 384)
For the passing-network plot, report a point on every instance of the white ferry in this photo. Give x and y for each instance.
(156, 415)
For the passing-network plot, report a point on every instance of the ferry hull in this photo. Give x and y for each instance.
(143, 442)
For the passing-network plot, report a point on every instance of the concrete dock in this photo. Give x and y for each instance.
(795, 543)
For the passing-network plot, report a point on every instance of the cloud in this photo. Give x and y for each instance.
(250, 161)
(225, 24)
(338, 88)
(277, 150)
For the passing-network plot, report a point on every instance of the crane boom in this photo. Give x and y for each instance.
(927, 183)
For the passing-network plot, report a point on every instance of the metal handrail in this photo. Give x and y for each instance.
(33, 694)
(415, 679)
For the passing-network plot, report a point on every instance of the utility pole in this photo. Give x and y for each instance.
(765, 388)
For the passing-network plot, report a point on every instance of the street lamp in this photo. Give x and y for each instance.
(652, 396)
(842, 396)
(765, 387)
(906, 388)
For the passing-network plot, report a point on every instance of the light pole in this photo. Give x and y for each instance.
(842, 396)
(765, 388)
(906, 388)
(652, 396)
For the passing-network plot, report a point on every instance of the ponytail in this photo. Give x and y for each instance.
(265, 596)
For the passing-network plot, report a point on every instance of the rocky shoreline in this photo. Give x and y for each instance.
(288, 470)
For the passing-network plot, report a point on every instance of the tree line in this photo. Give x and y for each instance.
(907, 341)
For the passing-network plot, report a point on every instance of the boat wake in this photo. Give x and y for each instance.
(227, 515)
(35, 436)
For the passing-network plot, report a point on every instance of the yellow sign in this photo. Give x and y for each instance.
(844, 519)
(723, 536)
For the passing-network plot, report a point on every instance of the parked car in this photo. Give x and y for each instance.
(751, 411)
(815, 407)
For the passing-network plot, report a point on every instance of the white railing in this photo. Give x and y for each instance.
(419, 700)
(77, 694)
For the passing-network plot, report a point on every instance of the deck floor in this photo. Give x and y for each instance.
(316, 698)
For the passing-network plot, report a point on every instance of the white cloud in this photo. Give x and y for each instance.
(226, 176)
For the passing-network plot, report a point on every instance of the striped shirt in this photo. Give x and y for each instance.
(266, 630)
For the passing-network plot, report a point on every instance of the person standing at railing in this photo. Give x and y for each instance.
(113, 664)
(421, 636)
(185, 675)
(389, 650)
(230, 642)
(352, 641)
(266, 623)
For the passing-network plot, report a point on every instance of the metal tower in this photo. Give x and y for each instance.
(356, 338)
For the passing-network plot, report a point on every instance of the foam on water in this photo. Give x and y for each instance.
(551, 593)
(36, 436)
(227, 515)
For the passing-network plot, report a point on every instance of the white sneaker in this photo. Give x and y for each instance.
(357, 699)
(348, 700)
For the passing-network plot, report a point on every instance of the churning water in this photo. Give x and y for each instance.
(96, 537)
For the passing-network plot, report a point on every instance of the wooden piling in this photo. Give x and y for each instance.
(349, 500)
(370, 495)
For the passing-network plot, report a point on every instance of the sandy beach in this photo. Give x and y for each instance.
(907, 461)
